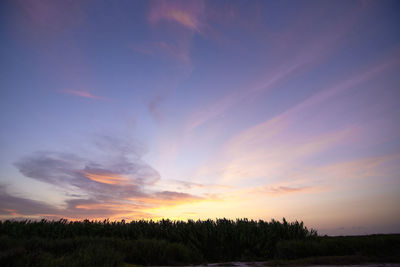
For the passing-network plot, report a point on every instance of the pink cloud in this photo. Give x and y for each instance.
(188, 14)
(244, 156)
(299, 51)
(82, 93)
(281, 190)
(217, 108)
(371, 72)
(183, 18)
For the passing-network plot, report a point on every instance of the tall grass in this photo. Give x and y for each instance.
(165, 242)
(105, 243)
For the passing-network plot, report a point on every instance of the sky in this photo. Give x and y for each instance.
(202, 109)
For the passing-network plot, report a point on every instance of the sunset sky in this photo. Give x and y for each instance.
(202, 109)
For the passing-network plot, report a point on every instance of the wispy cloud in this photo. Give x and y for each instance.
(363, 168)
(189, 185)
(183, 20)
(218, 108)
(283, 190)
(305, 52)
(188, 14)
(82, 93)
(206, 190)
(247, 156)
(284, 145)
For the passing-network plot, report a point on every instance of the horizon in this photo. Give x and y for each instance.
(188, 110)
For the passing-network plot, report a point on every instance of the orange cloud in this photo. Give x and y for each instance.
(106, 178)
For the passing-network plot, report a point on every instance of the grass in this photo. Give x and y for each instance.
(139, 243)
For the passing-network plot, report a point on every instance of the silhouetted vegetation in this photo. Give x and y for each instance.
(95, 243)
(372, 248)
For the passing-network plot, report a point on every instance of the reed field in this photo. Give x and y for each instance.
(166, 242)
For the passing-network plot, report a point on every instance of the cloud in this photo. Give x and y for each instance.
(106, 178)
(281, 190)
(50, 167)
(295, 51)
(94, 178)
(317, 130)
(82, 93)
(21, 207)
(270, 152)
(188, 14)
(181, 19)
(272, 80)
(15, 206)
(190, 185)
(354, 169)
(115, 184)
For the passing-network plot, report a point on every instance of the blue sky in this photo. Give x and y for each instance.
(202, 109)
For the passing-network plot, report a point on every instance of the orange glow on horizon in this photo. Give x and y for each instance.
(12, 212)
(167, 202)
(99, 206)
